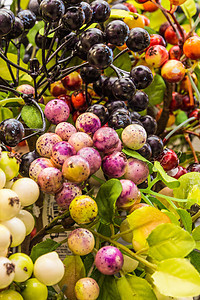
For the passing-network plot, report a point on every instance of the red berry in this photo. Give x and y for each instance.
(171, 36)
(176, 101)
(177, 172)
(175, 52)
(72, 82)
(157, 39)
(150, 6)
(163, 28)
(79, 100)
(156, 56)
(195, 113)
(131, 7)
(191, 47)
(168, 159)
(57, 89)
(67, 99)
(186, 104)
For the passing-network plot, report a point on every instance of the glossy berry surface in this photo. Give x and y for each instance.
(157, 39)
(90, 74)
(139, 101)
(145, 151)
(156, 145)
(138, 39)
(101, 111)
(173, 71)
(175, 52)
(141, 76)
(74, 18)
(170, 36)
(28, 18)
(116, 33)
(156, 56)
(195, 167)
(91, 37)
(6, 22)
(52, 10)
(168, 159)
(86, 289)
(11, 132)
(123, 88)
(149, 124)
(119, 119)
(26, 160)
(191, 47)
(87, 11)
(101, 11)
(100, 56)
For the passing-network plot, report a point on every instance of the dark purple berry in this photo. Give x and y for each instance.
(90, 74)
(145, 151)
(149, 124)
(100, 56)
(120, 6)
(87, 11)
(112, 106)
(135, 115)
(39, 41)
(101, 111)
(34, 6)
(97, 86)
(107, 87)
(17, 29)
(156, 145)
(139, 101)
(28, 18)
(141, 76)
(91, 37)
(123, 88)
(195, 167)
(26, 160)
(11, 132)
(138, 39)
(74, 18)
(116, 33)
(52, 10)
(119, 120)
(101, 11)
(80, 50)
(6, 22)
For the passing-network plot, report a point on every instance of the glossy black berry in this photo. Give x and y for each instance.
(101, 111)
(16, 30)
(52, 10)
(90, 74)
(123, 88)
(141, 76)
(120, 6)
(112, 106)
(87, 11)
(80, 50)
(91, 37)
(28, 18)
(195, 167)
(136, 121)
(139, 101)
(156, 145)
(6, 22)
(145, 151)
(116, 33)
(119, 119)
(26, 160)
(72, 2)
(121, 111)
(101, 11)
(97, 86)
(149, 124)
(34, 6)
(107, 88)
(11, 132)
(74, 18)
(100, 56)
(135, 115)
(138, 39)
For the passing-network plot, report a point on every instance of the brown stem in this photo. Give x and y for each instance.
(187, 138)
(162, 122)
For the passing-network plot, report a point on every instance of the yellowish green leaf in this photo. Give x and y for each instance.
(189, 8)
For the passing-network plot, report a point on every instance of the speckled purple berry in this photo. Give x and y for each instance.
(65, 130)
(76, 169)
(105, 139)
(46, 142)
(93, 158)
(57, 111)
(80, 140)
(134, 136)
(88, 123)
(61, 151)
(81, 241)
(50, 180)
(137, 170)
(67, 194)
(38, 165)
(109, 260)
(130, 194)
(114, 164)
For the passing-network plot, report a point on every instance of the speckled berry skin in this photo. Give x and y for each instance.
(114, 164)
(109, 260)
(57, 111)
(67, 194)
(50, 180)
(61, 151)
(83, 209)
(65, 130)
(46, 142)
(76, 169)
(173, 71)
(136, 171)
(93, 158)
(86, 289)
(88, 123)
(105, 139)
(130, 195)
(81, 241)
(80, 140)
(134, 136)
(37, 166)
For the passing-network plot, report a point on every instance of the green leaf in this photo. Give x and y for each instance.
(189, 8)
(149, 30)
(189, 189)
(123, 62)
(185, 218)
(156, 90)
(33, 31)
(108, 288)
(135, 154)
(120, 14)
(41, 32)
(4, 71)
(31, 116)
(172, 216)
(196, 236)
(194, 257)
(168, 180)
(176, 277)
(168, 241)
(42, 248)
(74, 270)
(24, 4)
(106, 200)
(5, 113)
(136, 288)
(180, 117)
